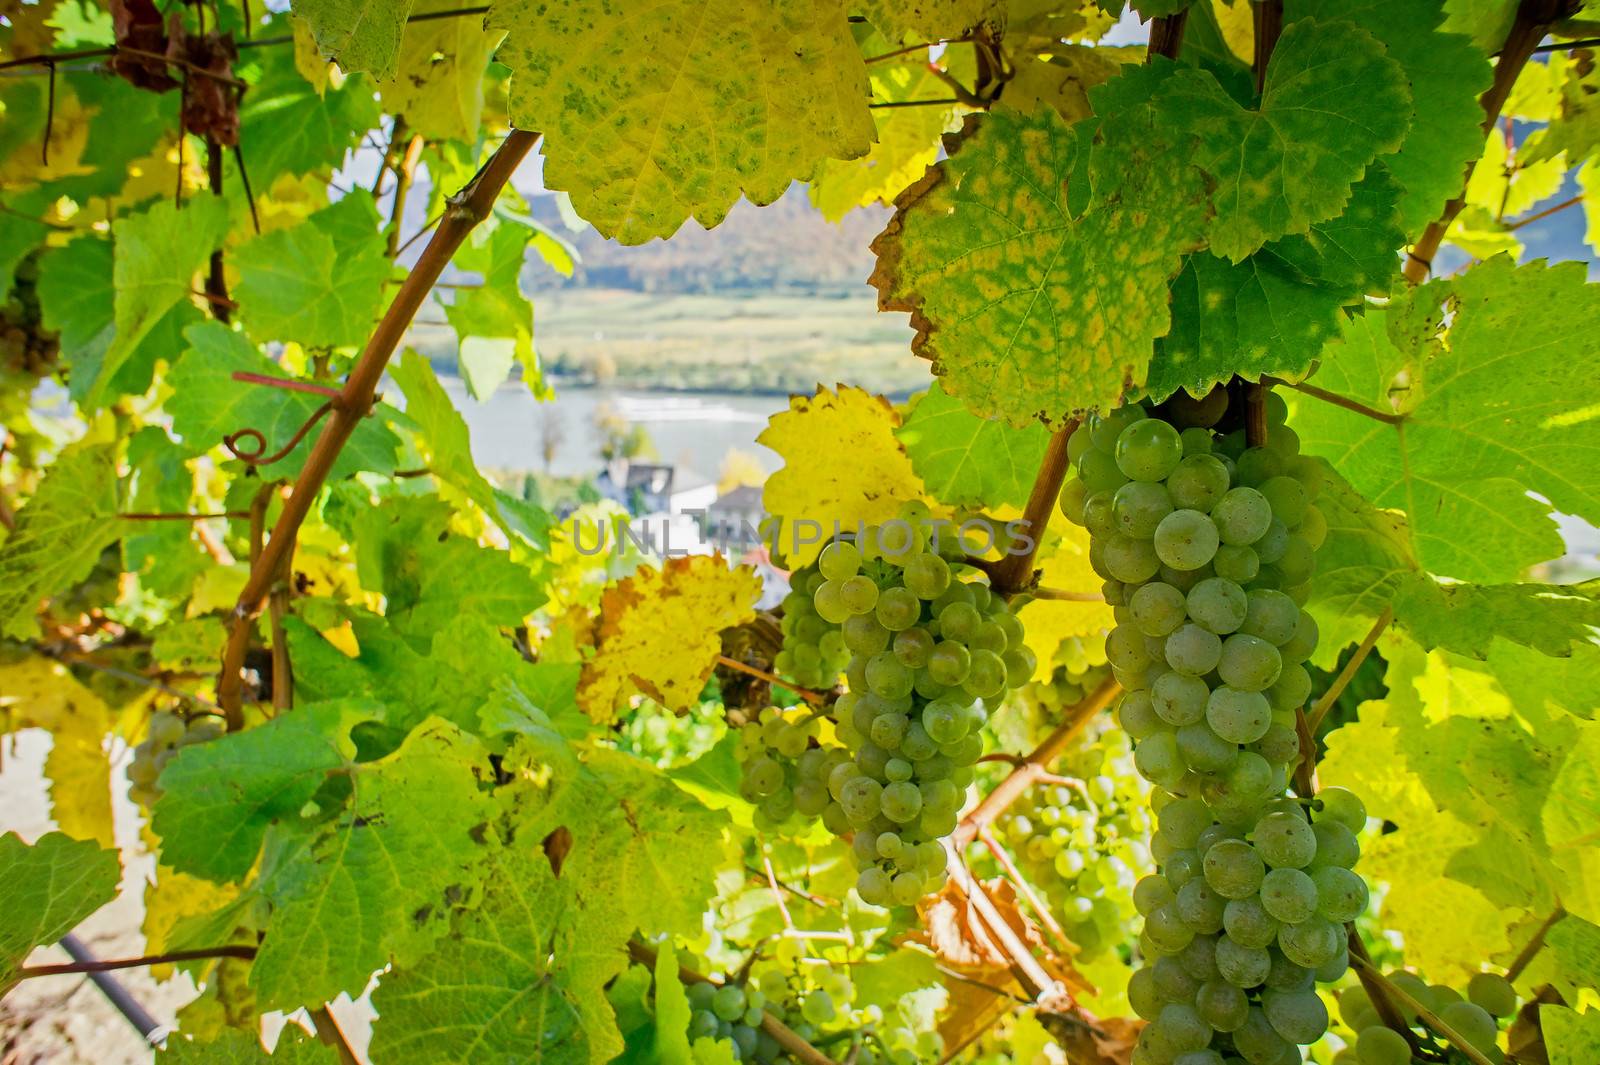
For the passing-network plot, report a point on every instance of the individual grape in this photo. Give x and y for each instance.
(1238, 716)
(1132, 560)
(1157, 608)
(1341, 894)
(1285, 840)
(1233, 869)
(1249, 663)
(1198, 482)
(914, 647)
(1200, 907)
(1490, 991)
(1311, 942)
(728, 1002)
(1203, 750)
(1148, 450)
(1237, 563)
(1143, 995)
(1139, 508)
(1472, 1022)
(1179, 699)
(927, 576)
(1151, 893)
(830, 604)
(1249, 924)
(1303, 642)
(1167, 930)
(1298, 1016)
(864, 635)
(1336, 845)
(1218, 605)
(1099, 472)
(1242, 516)
(839, 561)
(898, 608)
(1126, 649)
(1343, 806)
(1158, 760)
(1100, 513)
(1271, 615)
(1291, 689)
(1220, 1004)
(1184, 540)
(1192, 650)
(1106, 429)
(1272, 543)
(1240, 965)
(901, 802)
(1290, 895)
(1378, 1045)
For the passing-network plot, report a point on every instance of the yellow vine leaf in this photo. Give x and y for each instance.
(842, 464)
(174, 897)
(39, 693)
(659, 632)
(1064, 565)
(734, 98)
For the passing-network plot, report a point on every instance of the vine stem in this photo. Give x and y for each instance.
(1534, 945)
(1003, 857)
(814, 698)
(1338, 400)
(1431, 1019)
(28, 972)
(1268, 16)
(1062, 595)
(1533, 20)
(785, 1036)
(1026, 967)
(466, 209)
(1014, 572)
(1035, 766)
(1324, 703)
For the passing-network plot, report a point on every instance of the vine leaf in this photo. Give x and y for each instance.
(1031, 306)
(494, 323)
(60, 534)
(359, 34)
(1570, 1037)
(907, 139)
(234, 1047)
(156, 254)
(39, 693)
(521, 977)
(660, 632)
(320, 283)
(48, 888)
(928, 20)
(1475, 437)
(443, 431)
(642, 147)
(290, 126)
(1274, 312)
(967, 461)
(1447, 73)
(221, 797)
(1333, 102)
(375, 884)
(842, 468)
(207, 405)
(438, 77)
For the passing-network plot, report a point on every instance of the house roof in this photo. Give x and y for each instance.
(745, 497)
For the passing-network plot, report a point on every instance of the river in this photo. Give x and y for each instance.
(690, 430)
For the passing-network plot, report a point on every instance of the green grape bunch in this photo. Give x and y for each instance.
(1085, 846)
(930, 652)
(779, 760)
(814, 652)
(1478, 1017)
(165, 736)
(1207, 547)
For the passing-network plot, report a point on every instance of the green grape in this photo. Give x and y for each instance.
(1489, 991)
(1099, 472)
(1143, 995)
(839, 561)
(1341, 894)
(1219, 605)
(1273, 542)
(1249, 924)
(1311, 942)
(959, 621)
(1238, 716)
(1242, 516)
(1204, 750)
(1198, 482)
(1192, 650)
(1200, 907)
(1184, 540)
(1303, 642)
(830, 604)
(1237, 563)
(728, 1002)
(1157, 608)
(1151, 893)
(1219, 1003)
(1249, 663)
(1178, 698)
(1298, 1016)
(1148, 450)
(1100, 514)
(1343, 806)
(914, 647)
(1240, 965)
(898, 608)
(1107, 428)
(1131, 560)
(1289, 895)
(1472, 1022)
(1285, 840)
(1378, 1045)
(1126, 649)
(1271, 615)
(1139, 507)
(1336, 845)
(1233, 869)
(949, 662)
(1291, 689)
(1158, 760)
(888, 677)
(864, 635)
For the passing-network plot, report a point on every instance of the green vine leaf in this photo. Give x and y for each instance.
(1030, 306)
(1447, 73)
(359, 34)
(520, 979)
(642, 147)
(233, 1047)
(494, 323)
(221, 797)
(967, 461)
(49, 888)
(1570, 1037)
(60, 534)
(375, 884)
(1465, 455)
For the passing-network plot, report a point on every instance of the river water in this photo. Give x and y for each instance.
(692, 431)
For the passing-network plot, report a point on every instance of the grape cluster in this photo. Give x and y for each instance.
(166, 734)
(1207, 547)
(814, 653)
(1083, 846)
(779, 765)
(26, 347)
(1490, 1001)
(929, 651)
(1080, 668)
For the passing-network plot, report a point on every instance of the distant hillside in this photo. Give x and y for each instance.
(787, 246)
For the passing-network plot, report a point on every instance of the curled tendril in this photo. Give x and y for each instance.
(253, 455)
